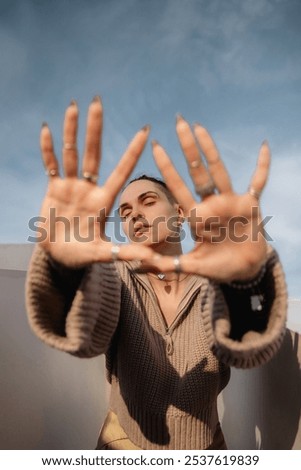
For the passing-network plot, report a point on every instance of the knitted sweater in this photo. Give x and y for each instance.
(165, 380)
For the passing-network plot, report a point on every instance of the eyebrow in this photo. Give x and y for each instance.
(140, 197)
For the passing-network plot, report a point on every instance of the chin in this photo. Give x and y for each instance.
(148, 239)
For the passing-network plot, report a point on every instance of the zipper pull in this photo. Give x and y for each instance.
(169, 344)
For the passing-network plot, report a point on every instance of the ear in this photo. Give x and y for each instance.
(180, 212)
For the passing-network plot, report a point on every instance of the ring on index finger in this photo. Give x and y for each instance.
(204, 190)
(254, 192)
(52, 172)
(115, 250)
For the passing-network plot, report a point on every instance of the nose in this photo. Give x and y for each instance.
(137, 214)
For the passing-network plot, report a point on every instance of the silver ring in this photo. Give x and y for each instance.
(115, 250)
(90, 177)
(204, 190)
(177, 264)
(69, 146)
(52, 172)
(253, 192)
(195, 164)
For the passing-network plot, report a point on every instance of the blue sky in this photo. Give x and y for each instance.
(234, 66)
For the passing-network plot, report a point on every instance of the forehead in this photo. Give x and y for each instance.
(135, 189)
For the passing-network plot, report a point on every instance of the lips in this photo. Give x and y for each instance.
(139, 229)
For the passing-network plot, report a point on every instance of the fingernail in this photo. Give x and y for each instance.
(73, 103)
(44, 124)
(265, 142)
(96, 99)
(179, 117)
(154, 142)
(146, 128)
(197, 124)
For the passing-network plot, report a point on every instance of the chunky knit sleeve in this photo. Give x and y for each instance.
(239, 334)
(76, 311)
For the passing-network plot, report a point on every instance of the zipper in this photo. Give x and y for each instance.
(169, 343)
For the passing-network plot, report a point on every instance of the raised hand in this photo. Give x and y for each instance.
(74, 209)
(229, 243)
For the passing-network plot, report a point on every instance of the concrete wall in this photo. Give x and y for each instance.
(50, 400)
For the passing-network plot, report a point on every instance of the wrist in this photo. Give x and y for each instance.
(249, 283)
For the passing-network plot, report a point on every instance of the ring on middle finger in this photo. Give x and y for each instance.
(195, 164)
(204, 190)
(90, 177)
(69, 146)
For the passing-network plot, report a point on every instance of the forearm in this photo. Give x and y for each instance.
(76, 311)
(241, 334)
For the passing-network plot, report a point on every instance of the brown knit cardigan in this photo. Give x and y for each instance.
(165, 380)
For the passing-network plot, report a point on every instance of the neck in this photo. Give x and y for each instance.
(168, 248)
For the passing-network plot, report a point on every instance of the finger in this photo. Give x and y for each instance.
(260, 176)
(197, 170)
(92, 153)
(215, 164)
(49, 158)
(69, 140)
(172, 178)
(127, 162)
(111, 252)
(209, 266)
(161, 263)
(105, 252)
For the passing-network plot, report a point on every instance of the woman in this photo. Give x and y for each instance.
(169, 323)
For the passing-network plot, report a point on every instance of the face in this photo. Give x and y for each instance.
(147, 215)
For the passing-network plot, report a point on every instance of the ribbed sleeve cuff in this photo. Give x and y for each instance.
(254, 348)
(86, 329)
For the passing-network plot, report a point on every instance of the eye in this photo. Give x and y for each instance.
(149, 201)
(125, 214)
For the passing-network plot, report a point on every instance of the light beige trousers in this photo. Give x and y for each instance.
(113, 437)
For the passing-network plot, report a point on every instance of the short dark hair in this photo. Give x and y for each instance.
(157, 181)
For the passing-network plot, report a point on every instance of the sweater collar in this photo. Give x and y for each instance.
(193, 284)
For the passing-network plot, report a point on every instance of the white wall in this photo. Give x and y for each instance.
(50, 400)
(260, 408)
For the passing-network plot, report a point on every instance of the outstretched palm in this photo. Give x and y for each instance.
(74, 210)
(229, 243)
